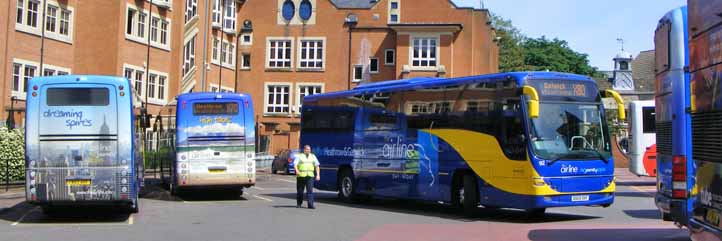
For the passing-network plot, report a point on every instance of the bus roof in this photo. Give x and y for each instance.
(212, 95)
(66, 79)
(417, 83)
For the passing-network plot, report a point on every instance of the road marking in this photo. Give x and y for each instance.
(23, 217)
(289, 181)
(258, 188)
(642, 191)
(212, 202)
(262, 198)
(130, 220)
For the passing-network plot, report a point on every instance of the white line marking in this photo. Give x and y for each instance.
(263, 198)
(23, 217)
(289, 181)
(130, 220)
(258, 188)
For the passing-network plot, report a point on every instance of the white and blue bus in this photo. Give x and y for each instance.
(80, 142)
(526, 140)
(215, 142)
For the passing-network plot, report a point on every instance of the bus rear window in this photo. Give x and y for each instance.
(215, 108)
(648, 125)
(77, 97)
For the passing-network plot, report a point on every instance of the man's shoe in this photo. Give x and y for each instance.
(298, 206)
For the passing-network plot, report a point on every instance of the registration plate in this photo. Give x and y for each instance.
(712, 217)
(580, 198)
(217, 171)
(82, 182)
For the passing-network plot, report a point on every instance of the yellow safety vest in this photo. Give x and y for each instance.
(306, 165)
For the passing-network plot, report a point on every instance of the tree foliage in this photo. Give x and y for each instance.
(521, 53)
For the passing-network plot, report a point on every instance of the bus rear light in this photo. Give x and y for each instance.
(35, 94)
(122, 93)
(290, 160)
(679, 177)
(123, 196)
(35, 87)
(120, 87)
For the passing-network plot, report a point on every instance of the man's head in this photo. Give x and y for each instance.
(306, 149)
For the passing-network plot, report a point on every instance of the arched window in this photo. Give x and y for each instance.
(288, 10)
(305, 10)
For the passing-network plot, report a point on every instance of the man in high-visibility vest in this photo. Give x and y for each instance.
(306, 165)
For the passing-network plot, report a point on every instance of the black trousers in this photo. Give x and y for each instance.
(304, 183)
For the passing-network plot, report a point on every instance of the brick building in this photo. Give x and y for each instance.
(276, 50)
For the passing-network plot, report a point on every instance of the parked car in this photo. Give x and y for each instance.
(284, 161)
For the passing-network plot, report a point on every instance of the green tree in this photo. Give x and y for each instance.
(520, 53)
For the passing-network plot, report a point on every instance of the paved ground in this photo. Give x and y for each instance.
(267, 212)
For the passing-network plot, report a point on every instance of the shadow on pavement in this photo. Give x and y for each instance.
(159, 192)
(25, 213)
(636, 183)
(439, 210)
(635, 194)
(632, 234)
(644, 213)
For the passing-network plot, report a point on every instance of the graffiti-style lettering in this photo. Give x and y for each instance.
(72, 118)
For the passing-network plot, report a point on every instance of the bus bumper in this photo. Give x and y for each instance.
(701, 232)
(582, 199)
(675, 208)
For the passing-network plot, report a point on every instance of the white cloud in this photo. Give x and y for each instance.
(214, 128)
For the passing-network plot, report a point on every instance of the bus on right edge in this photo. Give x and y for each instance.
(705, 29)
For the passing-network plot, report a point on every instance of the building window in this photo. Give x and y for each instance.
(394, 5)
(28, 74)
(216, 50)
(231, 55)
(216, 13)
(17, 77)
(189, 55)
(424, 52)
(32, 13)
(131, 19)
(48, 72)
(191, 9)
(164, 32)
(311, 54)
(20, 11)
(374, 65)
(306, 90)
(141, 25)
(224, 47)
(138, 82)
(394, 11)
(358, 71)
(305, 9)
(279, 53)
(154, 22)
(65, 22)
(229, 19)
(394, 18)
(51, 16)
(161, 87)
(389, 57)
(246, 39)
(151, 85)
(128, 73)
(246, 61)
(277, 99)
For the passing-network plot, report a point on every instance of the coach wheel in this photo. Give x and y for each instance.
(536, 212)
(347, 187)
(469, 195)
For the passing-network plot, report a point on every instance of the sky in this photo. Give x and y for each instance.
(589, 26)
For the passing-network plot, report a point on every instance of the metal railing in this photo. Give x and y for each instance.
(12, 176)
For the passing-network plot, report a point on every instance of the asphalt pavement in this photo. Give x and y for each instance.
(267, 212)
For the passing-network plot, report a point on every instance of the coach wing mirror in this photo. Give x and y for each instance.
(532, 102)
(620, 102)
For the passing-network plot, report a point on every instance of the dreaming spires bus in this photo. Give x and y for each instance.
(527, 140)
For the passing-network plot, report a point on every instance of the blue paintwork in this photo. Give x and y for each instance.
(429, 176)
(305, 9)
(288, 10)
(672, 97)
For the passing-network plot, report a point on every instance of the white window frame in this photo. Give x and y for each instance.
(229, 16)
(217, 13)
(22, 91)
(156, 91)
(386, 51)
(396, 11)
(135, 78)
(20, 12)
(189, 46)
(243, 61)
(216, 51)
(378, 65)
(250, 39)
(56, 69)
(437, 50)
(289, 95)
(55, 20)
(148, 28)
(191, 10)
(353, 73)
(222, 89)
(290, 57)
(300, 58)
(300, 91)
(142, 78)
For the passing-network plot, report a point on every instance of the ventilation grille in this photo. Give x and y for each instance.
(707, 136)
(664, 138)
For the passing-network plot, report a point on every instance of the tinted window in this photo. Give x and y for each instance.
(648, 125)
(661, 47)
(215, 108)
(327, 121)
(382, 122)
(78, 97)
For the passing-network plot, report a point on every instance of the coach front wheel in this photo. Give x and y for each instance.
(347, 187)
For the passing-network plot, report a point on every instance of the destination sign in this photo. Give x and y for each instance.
(217, 108)
(564, 88)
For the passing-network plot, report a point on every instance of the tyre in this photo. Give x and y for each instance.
(470, 195)
(49, 211)
(536, 212)
(134, 206)
(273, 170)
(347, 187)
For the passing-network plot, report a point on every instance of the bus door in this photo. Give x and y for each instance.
(78, 136)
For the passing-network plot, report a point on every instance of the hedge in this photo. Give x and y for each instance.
(12, 152)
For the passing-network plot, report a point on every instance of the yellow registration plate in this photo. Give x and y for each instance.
(712, 217)
(84, 182)
(217, 171)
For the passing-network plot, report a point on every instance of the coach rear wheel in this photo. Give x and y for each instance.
(465, 195)
(536, 212)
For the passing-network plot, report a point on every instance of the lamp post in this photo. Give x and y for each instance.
(351, 21)
(10, 122)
